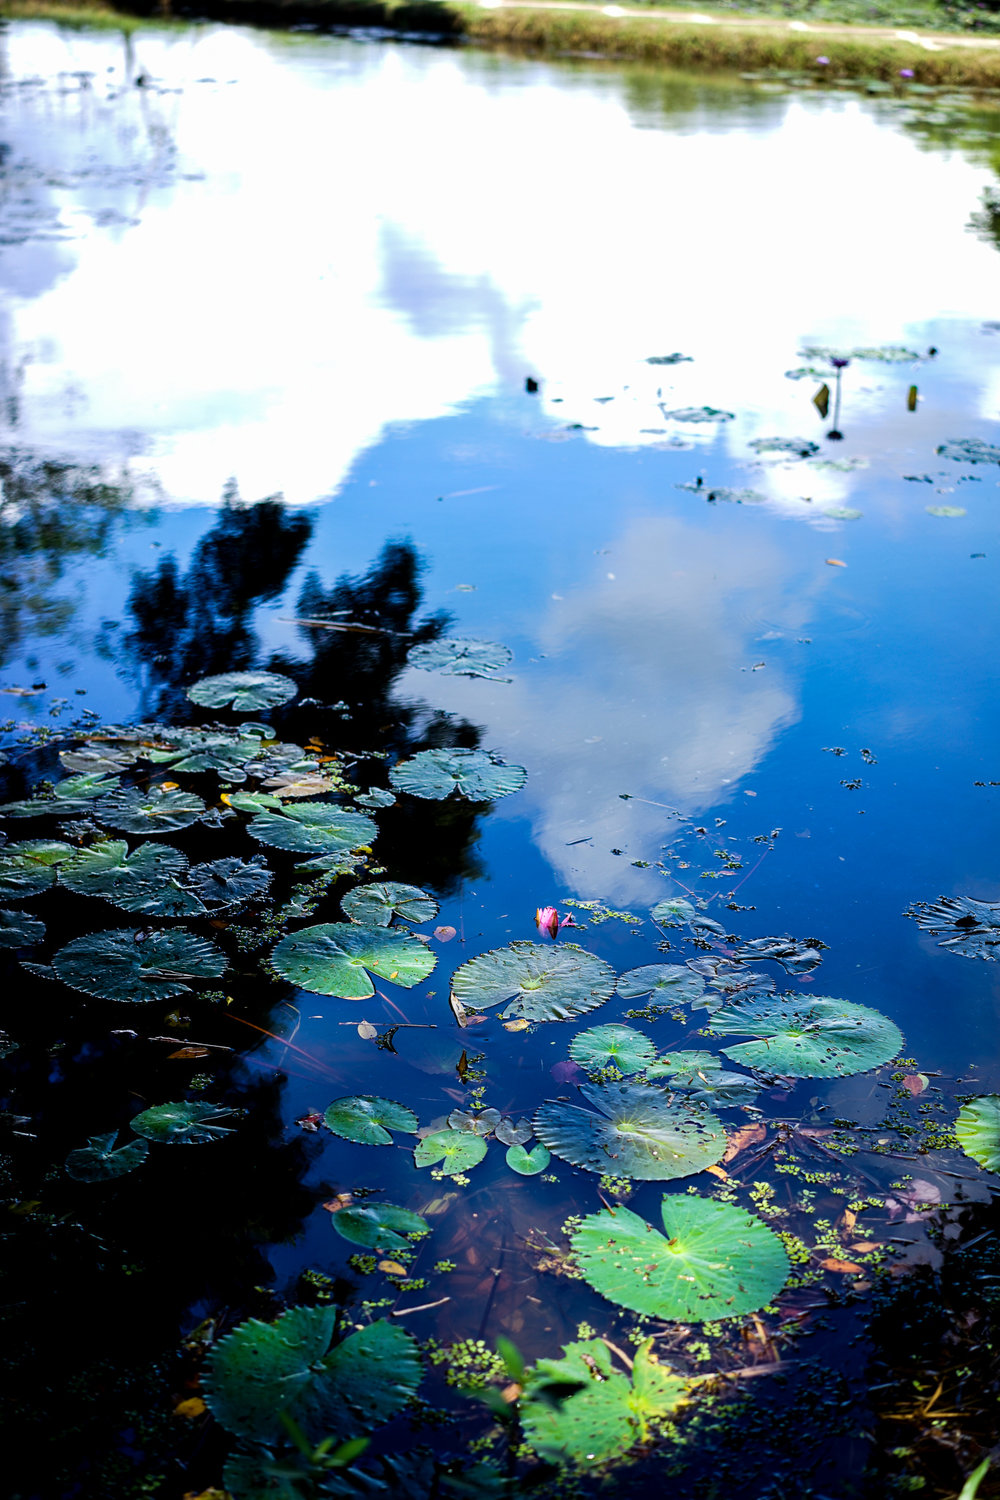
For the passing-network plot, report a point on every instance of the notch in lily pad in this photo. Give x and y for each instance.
(333, 957)
(541, 983)
(965, 926)
(616, 1046)
(714, 1261)
(632, 1131)
(457, 657)
(100, 1160)
(375, 905)
(185, 1123)
(368, 1119)
(455, 1150)
(666, 984)
(474, 775)
(379, 1226)
(243, 692)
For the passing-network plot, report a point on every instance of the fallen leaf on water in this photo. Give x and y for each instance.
(170, 786)
(849, 1220)
(367, 1030)
(458, 1010)
(193, 1407)
(311, 1121)
(835, 562)
(915, 1082)
(187, 1052)
(444, 934)
(863, 1246)
(740, 1140)
(521, 1024)
(392, 1268)
(845, 1267)
(718, 1172)
(342, 1200)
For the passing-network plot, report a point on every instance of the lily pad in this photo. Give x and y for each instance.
(970, 451)
(669, 359)
(542, 983)
(794, 956)
(636, 1132)
(150, 812)
(716, 1261)
(331, 959)
(456, 1150)
(228, 882)
(462, 658)
(841, 513)
(512, 1134)
(528, 1163)
(797, 447)
(376, 905)
(673, 912)
(622, 1046)
(949, 512)
(806, 1036)
(376, 796)
(473, 774)
(368, 1119)
(668, 984)
(137, 967)
(17, 930)
(30, 866)
(313, 828)
(475, 1121)
(147, 881)
(99, 1161)
(378, 1226)
(978, 1130)
(244, 692)
(263, 1369)
(717, 1086)
(699, 414)
(967, 927)
(734, 496)
(72, 795)
(184, 1123)
(685, 1060)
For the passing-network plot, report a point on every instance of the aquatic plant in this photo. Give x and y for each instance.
(631, 1131)
(332, 959)
(472, 774)
(457, 657)
(808, 1036)
(540, 983)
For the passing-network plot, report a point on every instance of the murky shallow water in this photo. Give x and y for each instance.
(322, 269)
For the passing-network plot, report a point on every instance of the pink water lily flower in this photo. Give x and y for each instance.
(547, 920)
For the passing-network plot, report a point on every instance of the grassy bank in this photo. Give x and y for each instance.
(716, 39)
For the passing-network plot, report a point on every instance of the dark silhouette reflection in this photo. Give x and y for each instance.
(189, 625)
(51, 512)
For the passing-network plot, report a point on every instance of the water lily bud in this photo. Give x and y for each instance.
(547, 920)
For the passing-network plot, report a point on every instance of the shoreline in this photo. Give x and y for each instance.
(818, 51)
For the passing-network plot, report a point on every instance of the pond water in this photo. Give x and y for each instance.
(374, 334)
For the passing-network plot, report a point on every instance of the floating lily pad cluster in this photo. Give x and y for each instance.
(179, 1123)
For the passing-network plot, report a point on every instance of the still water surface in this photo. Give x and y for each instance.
(321, 269)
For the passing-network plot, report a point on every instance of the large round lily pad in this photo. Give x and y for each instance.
(456, 1150)
(313, 828)
(245, 692)
(147, 881)
(184, 1123)
(668, 984)
(368, 1119)
(100, 1161)
(673, 912)
(18, 930)
(456, 657)
(228, 882)
(620, 1046)
(635, 1132)
(378, 1226)
(150, 812)
(30, 866)
(808, 1036)
(978, 1130)
(137, 967)
(542, 982)
(331, 959)
(716, 1261)
(263, 1369)
(376, 905)
(473, 774)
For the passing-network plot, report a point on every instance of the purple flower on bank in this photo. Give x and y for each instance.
(824, 62)
(839, 362)
(906, 72)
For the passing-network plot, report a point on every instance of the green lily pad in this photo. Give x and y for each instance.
(244, 692)
(72, 795)
(147, 881)
(368, 1119)
(528, 1163)
(17, 930)
(196, 751)
(313, 828)
(256, 802)
(796, 956)
(673, 912)
(542, 982)
(228, 882)
(808, 1036)
(716, 1261)
(967, 927)
(950, 512)
(184, 1123)
(970, 451)
(100, 760)
(669, 984)
(137, 967)
(669, 359)
(456, 1150)
(98, 1161)
(331, 959)
(462, 658)
(263, 1369)
(376, 905)
(378, 1226)
(841, 513)
(376, 796)
(978, 1130)
(796, 447)
(624, 1047)
(29, 867)
(716, 1086)
(699, 414)
(473, 774)
(684, 1061)
(150, 812)
(636, 1132)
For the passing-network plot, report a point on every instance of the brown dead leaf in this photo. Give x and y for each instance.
(915, 1083)
(845, 1267)
(184, 1053)
(444, 934)
(718, 1172)
(511, 1393)
(458, 1010)
(521, 1024)
(342, 1200)
(863, 1246)
(193, 1407)
(848, 1221)
(366, 1030)
(835, 562)
(392, 1268)
(742, 1139)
